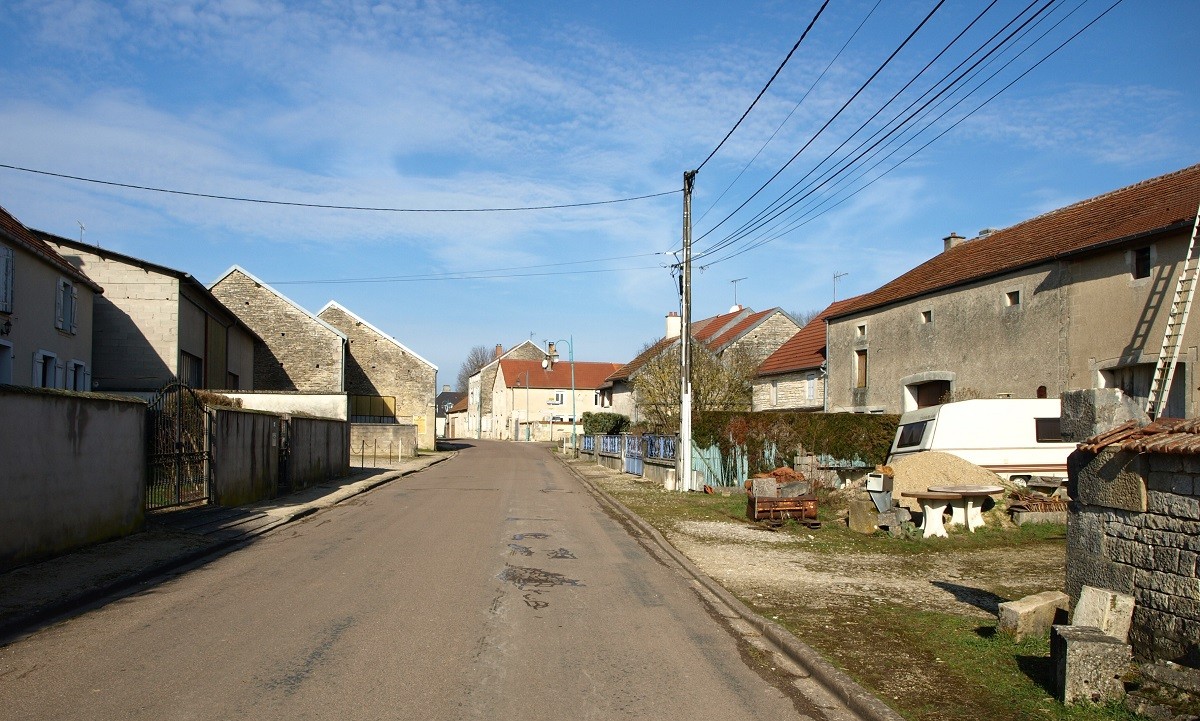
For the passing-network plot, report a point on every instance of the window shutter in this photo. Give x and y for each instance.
(58, 306)
(74, 307)
(87, 379)
(6, 280)
(39, 361)
(60, 372)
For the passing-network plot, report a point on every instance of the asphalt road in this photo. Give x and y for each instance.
(493, 585)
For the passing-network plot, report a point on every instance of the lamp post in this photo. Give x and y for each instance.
(527, 424)
(548, 363)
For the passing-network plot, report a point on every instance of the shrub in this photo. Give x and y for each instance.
(603, 424)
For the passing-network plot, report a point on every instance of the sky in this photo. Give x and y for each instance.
(469, 106)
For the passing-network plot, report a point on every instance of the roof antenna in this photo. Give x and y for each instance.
(837, 275)
(735, 281)
(81, 229)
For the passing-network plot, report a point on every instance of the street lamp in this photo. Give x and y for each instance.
(548, 363)
(527, 423)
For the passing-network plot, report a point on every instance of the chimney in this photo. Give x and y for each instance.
(499, 351)
(952, 240)
(674, 325)
(445, 389)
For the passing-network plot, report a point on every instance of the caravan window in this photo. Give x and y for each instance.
(1048, 430)
(911, 434)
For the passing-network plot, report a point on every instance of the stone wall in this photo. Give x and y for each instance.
(1134, 528)
(377, 365)
(791, 392)
(767, 337)
(382, 442)
(245, 456)
(297, 351)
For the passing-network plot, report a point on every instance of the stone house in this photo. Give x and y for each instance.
(295, 350)
(793, 377)
(456, 419)
(479, 396)
(387, 381)
(757, 334)
(46, 307)
(1076, 298)
(524, 392)
(155, 324)
(442, 405)
(1133, 526)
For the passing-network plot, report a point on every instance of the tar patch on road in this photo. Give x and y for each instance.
(291, 680)
(536, 583)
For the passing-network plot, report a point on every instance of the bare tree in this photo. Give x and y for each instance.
(804, 317)
(718, 384)
(477, 357)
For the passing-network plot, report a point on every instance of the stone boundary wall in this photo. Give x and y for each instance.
(384, 441)
(1134, 527)
(245, 456)
(319, 450)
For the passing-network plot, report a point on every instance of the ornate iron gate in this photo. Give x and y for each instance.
(177, 448)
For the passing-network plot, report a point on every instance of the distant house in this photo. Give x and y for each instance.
(155, 324)
(295, 350)
(386, 380)
(793, 377)
(46, 307)
(525, 393)
(1076, 298)
(757, 334)
(456, 419)
(479, 395)
(442, 404)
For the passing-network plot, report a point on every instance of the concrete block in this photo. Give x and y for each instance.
(1114, 480)
(1109, 611)
(764, 488)
(863, 516)
(797, 488)
(1086, 413)
(1033, 615)
(894, 519)
(1088, 664)
(1022, 517)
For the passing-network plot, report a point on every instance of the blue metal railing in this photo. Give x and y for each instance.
(589, 444)
(610, 445)
(660, 447)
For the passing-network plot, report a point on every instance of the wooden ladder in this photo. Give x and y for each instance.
(1181, 305)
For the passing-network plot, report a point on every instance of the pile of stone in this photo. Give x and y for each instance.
(915, 473)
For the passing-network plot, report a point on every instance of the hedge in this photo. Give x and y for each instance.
(775, 437)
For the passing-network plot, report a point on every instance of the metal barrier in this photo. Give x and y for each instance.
(660, 447)
(589, 444)
(610, 445)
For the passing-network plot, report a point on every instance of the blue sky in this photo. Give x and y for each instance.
(433, 105)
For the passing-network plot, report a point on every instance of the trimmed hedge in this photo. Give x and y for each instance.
(603, 424)
(775, 437)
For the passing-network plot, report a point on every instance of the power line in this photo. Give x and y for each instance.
(454, 274)
(467, 276)
(764, 89)
(323, 206)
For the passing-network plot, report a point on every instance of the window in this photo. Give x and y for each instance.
(1048, 430)
(232, 382)
(926, 316)
(860, 368)
(911, 434)
(1012, 298)
(861, 331)
(774, 393)
(1141, 262)
(810, 391)
(64, 306)
(558, 398)
(6, 362)
(77, 376)
(45, 370)
(6, 280)
(191, 370)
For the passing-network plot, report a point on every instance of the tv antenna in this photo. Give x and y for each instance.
(837, 275)
(735, 281)
(81, 229)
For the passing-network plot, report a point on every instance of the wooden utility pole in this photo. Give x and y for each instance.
(684, 483)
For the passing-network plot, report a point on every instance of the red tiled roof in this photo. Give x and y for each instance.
(1149, 206)
(460, 406)
(21, 235)
(804, 350)
(706, 329)
(1166, 435)
(588, 375)
(626, 371)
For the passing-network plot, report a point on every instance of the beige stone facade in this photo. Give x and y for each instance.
(297, 351)
(378, 365)
(479, 395)
(800, 391)
(154, 324)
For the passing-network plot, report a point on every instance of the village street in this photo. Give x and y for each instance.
(494, 585)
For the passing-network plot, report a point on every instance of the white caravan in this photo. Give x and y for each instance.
(1011, 437)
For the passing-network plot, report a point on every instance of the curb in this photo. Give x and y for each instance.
(20, 623)
(833, 679)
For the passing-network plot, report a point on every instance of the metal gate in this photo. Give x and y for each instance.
(177, 448)
(633, 455)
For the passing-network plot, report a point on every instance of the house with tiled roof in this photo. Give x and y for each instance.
(528, 400)
(480, 384)
(155, 324)
(45, 313)
(1076, 298)
(793, 377)
(456, 419)
(754, 334)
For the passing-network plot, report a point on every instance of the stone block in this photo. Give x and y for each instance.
(792, 490)
(863, 516)
(1109, 611)
(1033, 615)
(1113, 480)
(764, 488)
(894, 519)
(1088, 664)
(1086, 413)
(1022, 517)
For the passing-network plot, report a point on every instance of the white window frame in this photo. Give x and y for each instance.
(7, 263)
(40, 358)
(810, 392)
(775, 392)
(64, 317)
(559, 398)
